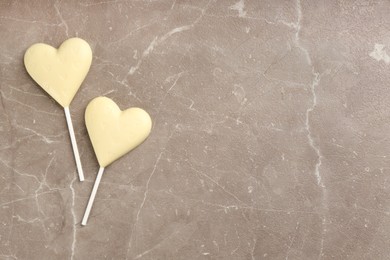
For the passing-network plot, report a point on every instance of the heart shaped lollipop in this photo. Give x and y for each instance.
(113, 133)
(60, 73)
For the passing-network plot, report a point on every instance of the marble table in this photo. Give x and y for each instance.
(271, 131)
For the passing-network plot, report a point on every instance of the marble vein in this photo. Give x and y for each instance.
(154, 247)
(175, 78)
(134, 227)
(29, 107)
(223, 188)
(63, 22)
(44, 138)
(74, 218)
(28, 21)
(292, 240)
(158, 40)
(313, 86)
(93, 3)
(312, 143)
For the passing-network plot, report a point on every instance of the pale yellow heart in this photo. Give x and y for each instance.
(59, 72)
(113, 132)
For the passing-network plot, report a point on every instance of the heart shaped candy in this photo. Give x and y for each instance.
(59, 72)
(113, 132)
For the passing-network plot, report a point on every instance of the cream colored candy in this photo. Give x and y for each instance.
(113, 132)
(59, 72)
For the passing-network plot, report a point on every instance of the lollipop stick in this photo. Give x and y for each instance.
(74, 144)
(92, 197)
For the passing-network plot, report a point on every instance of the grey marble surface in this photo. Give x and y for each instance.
(270, 137)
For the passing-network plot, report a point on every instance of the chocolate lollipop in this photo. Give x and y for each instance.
(113, 133)
(60, 73)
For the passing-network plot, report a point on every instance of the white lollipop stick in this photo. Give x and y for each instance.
(92, 197)
(74, 144)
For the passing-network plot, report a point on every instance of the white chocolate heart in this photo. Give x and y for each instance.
(113, 132)
(59, 72)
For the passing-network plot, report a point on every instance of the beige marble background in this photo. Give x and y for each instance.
(270, 136)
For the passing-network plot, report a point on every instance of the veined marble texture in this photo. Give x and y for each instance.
(270, 139)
